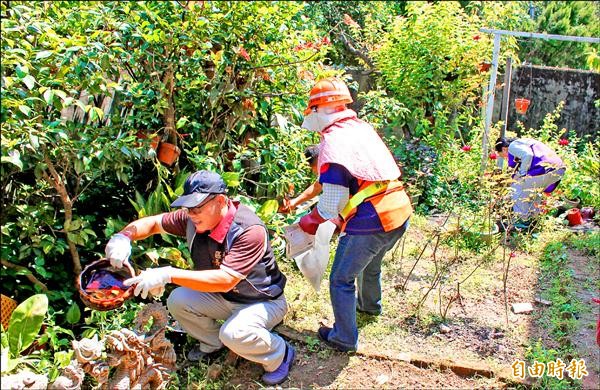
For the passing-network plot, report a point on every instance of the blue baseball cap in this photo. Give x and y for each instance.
(199, 186)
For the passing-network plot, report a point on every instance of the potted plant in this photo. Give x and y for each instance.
(166, 147)
(521, 105)
(480, 227)
(168, 153)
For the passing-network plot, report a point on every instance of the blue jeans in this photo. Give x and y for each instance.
(357, 256)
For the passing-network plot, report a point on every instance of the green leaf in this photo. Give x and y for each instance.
(96, 113)
(73, 314)
(81, 105)
(26, 322)
(34, 141)
(62, 358)
(6, 363)
(47, 246)
(29, 81)
(181, 122)
(61, 94)
(21, 71)
(268, 209)
(14, 157)
(43, 54)
(49, 96)
(25, 109)
(232, 179)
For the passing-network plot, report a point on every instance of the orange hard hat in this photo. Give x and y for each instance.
(328, 92)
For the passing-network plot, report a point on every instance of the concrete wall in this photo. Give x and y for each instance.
(546, 87)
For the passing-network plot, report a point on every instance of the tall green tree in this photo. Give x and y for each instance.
(80, 81)
(577, 18)
(49, 72)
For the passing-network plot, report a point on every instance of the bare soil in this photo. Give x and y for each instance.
(333, 370)
(479, 330)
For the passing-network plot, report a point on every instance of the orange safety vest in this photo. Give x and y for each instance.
(388, 198)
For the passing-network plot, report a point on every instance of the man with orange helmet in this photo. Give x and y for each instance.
(363, 196)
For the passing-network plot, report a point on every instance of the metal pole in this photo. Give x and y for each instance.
(490, 103)
(492, 86)
(506, 94)
(505, 104)
(523, 34)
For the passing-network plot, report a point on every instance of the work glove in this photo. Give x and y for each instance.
(311, 221)
(118, 250)
(286, 206)
(150, 281)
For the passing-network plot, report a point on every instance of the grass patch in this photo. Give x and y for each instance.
(560, 318)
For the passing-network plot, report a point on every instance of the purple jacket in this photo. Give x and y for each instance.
(535, 158)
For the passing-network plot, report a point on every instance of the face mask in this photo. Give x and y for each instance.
(312, 122)
(325, 116)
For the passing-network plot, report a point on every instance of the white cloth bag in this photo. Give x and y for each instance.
(313, 262)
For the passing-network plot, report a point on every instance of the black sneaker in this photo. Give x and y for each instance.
(369, 313)
(196, 355)
(323, 334)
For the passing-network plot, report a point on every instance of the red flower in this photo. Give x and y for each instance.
(476, 37)
(325, 41)
(466, 148)
(493, 156)
(248, 104)
(243, 53)
(512, 254)
(563, 142)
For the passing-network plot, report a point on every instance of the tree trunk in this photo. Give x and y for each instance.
(169, 115)
(25, 271)
(59, 185)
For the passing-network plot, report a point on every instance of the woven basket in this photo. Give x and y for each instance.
(7, 307)
(104, 304)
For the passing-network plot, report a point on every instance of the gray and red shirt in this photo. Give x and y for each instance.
(238, 245)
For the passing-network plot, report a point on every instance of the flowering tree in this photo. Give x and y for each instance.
(76, 92)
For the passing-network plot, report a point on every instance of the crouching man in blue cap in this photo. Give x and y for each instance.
(235, 277)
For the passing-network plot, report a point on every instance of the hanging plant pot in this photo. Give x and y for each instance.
(168, 153)
(155, 140)
(521, 105)
(140, 135)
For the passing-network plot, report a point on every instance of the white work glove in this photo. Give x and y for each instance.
(118, 250)
(151, 281)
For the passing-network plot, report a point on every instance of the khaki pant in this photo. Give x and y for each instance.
(527, 192)
(246, 329)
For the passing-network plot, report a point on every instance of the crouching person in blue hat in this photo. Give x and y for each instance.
(235, 277)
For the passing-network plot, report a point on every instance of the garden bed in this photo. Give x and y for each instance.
(474, 346)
